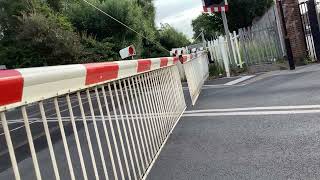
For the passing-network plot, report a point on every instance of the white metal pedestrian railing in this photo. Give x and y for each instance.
(197, 71)
(93, 121)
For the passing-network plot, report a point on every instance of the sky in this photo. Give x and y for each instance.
(178, 13)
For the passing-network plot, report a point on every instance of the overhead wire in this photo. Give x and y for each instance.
(123, 24)
(198, 36)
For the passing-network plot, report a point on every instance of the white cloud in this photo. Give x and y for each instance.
(178, 14)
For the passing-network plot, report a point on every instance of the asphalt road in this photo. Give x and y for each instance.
(270, 146)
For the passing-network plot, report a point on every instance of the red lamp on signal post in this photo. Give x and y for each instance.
(212, 6)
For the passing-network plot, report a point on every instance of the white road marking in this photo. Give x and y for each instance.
(253, 113)
(239, 80)
(256, 108)
(214, 85)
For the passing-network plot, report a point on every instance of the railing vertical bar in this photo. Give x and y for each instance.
(154, 113)
(195, 78)
(156, 108)
(10, 146)
(150, 113)
(86, 129)
(129, 125)
(118, 127)
(157, 105)
(171, 96)
(126, 86)
(140, 112)
(168, 94)
(112, 129)
(180, 88)
(94, 120)
(76, 136)
(176, 79)
(106, 134)
(156, 84)
(124, 125)
(165, 99)
(138, 118)
(64, 139)
(31, 145)
(169, 99)
(50, 146)
(176, 91)
(147, 119)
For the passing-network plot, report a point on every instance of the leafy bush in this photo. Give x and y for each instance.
(42, 41)
(171, 38)
(96, 51)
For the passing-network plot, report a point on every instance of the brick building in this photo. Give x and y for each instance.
(295, 29)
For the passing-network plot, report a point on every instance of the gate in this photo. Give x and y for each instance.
(310, 27)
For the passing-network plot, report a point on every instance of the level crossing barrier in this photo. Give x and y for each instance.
(111, 119)
(197, 71)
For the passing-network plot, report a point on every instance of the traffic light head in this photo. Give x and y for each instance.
(209, 3)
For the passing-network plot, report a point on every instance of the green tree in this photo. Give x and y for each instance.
(87, 19)
(242, 12)
(9, 13)
(52, 32)
(210, 24)
(171, 38)
(96, 51)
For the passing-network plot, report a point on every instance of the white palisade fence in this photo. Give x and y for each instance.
(221, 53)
(260, 44)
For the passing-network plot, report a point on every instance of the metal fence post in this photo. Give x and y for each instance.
(224, 55)
(238, 49)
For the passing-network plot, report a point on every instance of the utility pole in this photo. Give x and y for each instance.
(227, 32)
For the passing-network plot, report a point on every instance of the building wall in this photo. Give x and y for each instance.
(295, 29)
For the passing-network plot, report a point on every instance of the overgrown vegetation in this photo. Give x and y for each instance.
(52, 32)
(216, 71)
